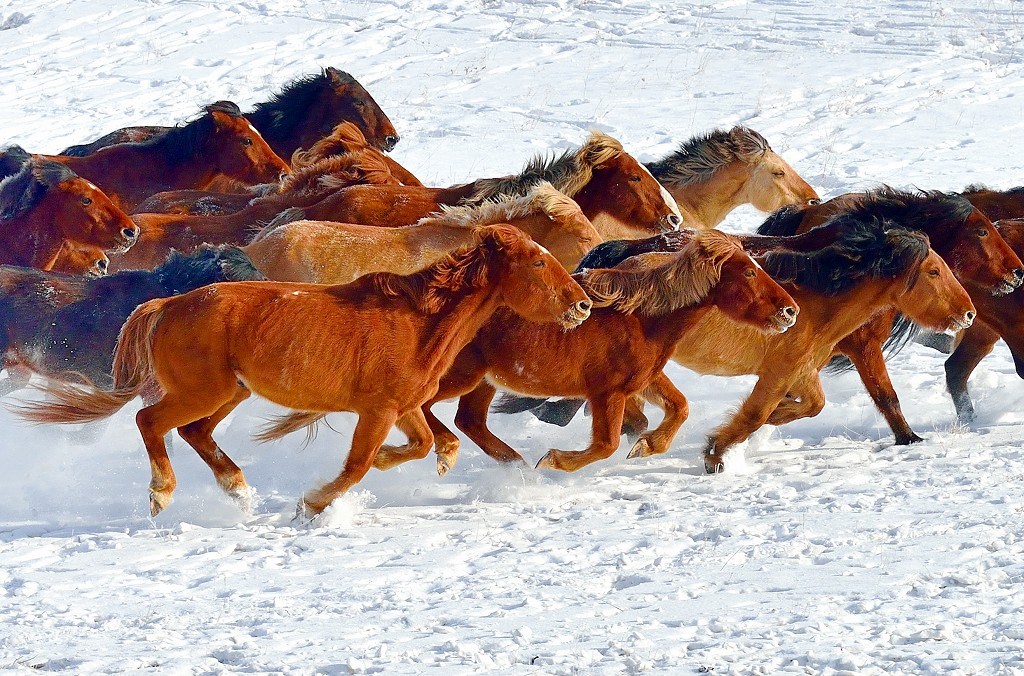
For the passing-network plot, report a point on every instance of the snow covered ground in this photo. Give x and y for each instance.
(827, 550)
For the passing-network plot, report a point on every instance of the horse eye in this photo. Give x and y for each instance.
(86, 201)
(358, 104)
(247, 141)
(981, 232)
(779, 174)
(539, 264)
(635, 179)
(750, 272)
(934, 272)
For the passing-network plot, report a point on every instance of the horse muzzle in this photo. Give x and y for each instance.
(670, 223)
(1011, 282)
(576, 315)
(390, 142)
(785, 318)
(959, 324)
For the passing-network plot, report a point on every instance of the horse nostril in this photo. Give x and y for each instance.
(101, 265)
(675, 221)
(814, 202)
(969, 316)
(583, 306)
(789, 312)
(283, 175)
(391, 141)
(1018, 274)
(129, 233)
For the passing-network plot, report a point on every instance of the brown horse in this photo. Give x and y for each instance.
(996, 204)
(712, 174)
(616, 193)
(303, 346)
(45, 204)
(305, 110)
(332, 160)
(81, 259)
(959, 232)
(163, 232)
(220, 142)
(641, 313)
(325, 252)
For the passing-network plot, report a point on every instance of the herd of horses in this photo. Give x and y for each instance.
(283, 252)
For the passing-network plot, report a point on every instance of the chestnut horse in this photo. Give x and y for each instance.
(712, 174)
(219, 142)
(303, 346)
(325, 252)
(871, 266)
(163, 232)
(303, 112)
(81, 259)
(998, 205)
(959, 232)
(64, 327)
(45, 204)
(331, 156)
(640, 314)
(616, 193)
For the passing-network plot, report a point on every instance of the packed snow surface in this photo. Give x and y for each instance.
(825, 549)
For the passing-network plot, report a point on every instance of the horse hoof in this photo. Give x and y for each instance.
(713, 466)
(443, 466)
(547, 462)
(909, 439)
(304, 514)
(157, 503)
(244, 498)
(641, 449)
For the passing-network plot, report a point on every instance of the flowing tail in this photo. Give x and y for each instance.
(289, 423)
(133, 370)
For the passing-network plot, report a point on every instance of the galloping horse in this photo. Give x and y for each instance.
(219, 142)
(712, 174)
(306, 110)
(163, 232)
(327, 161)
(44, 204)
(65, 327)
(302, 346)
(959, 232)
(325, 252)
(617, 194)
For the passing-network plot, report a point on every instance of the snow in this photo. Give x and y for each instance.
(823, 549)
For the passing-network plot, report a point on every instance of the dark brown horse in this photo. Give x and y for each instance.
(45, 204)
(959, 232)
(615, 192)
(303, 346)
(305, 110)
(219, 142)
(163, 232)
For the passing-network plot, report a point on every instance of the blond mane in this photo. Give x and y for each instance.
(338, 171)
(345, 138)
(700, 158)
(684, 280)
(541, 198)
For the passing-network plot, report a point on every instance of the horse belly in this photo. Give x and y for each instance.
(720, 346)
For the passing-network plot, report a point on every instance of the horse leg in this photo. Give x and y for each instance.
(414, 425)
(634, 422)
(471, 418)
(977, 342)
(446, 444)
(371, 431)
(606, 411)
(752, 414)
(199, 435)
(464, 375)
(867, 357)
(663, 394)
(805, 399)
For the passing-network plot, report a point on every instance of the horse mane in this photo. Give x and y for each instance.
(685, 280)
(611, 253)
(337, 171)
(869, 247)
(784, 221)
(978, 187)
(431, 289)
(700, 158)
(182, 143)
(12, 158)
(345, 138)
(542, 197)
(568, 172)
(283, 112)
(209, 263)
(22, 191)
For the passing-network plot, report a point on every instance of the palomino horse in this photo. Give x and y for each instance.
(712, 174)
(960, 233)
(330, 157)
(64, 327)
(325, 252)
(306, 110)
(219, 142)
(163, 232)
(44, 204)
(616, 193)
(302, 346)
(871, 266)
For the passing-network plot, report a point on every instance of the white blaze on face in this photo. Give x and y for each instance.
(253, 129)
(665, 195)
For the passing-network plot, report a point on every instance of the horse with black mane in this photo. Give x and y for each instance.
(303, 112)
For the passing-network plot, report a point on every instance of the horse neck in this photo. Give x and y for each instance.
(666, 330)
(832, 318)
(435, 237)
(30, 240)
(445, 333)
(706, 204)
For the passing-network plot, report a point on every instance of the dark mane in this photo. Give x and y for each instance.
(568, 172)
(283, 112)
(12, 158)
(611, 253)
(207, 264)
(697, 160)
(783, 222)
(22, 191)
(181, 144)
(870, 247)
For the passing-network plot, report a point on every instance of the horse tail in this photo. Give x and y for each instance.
(784, 221)
(289, 215)
(903, 331)
(509, 403)
(133, 371)
(289, 423)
